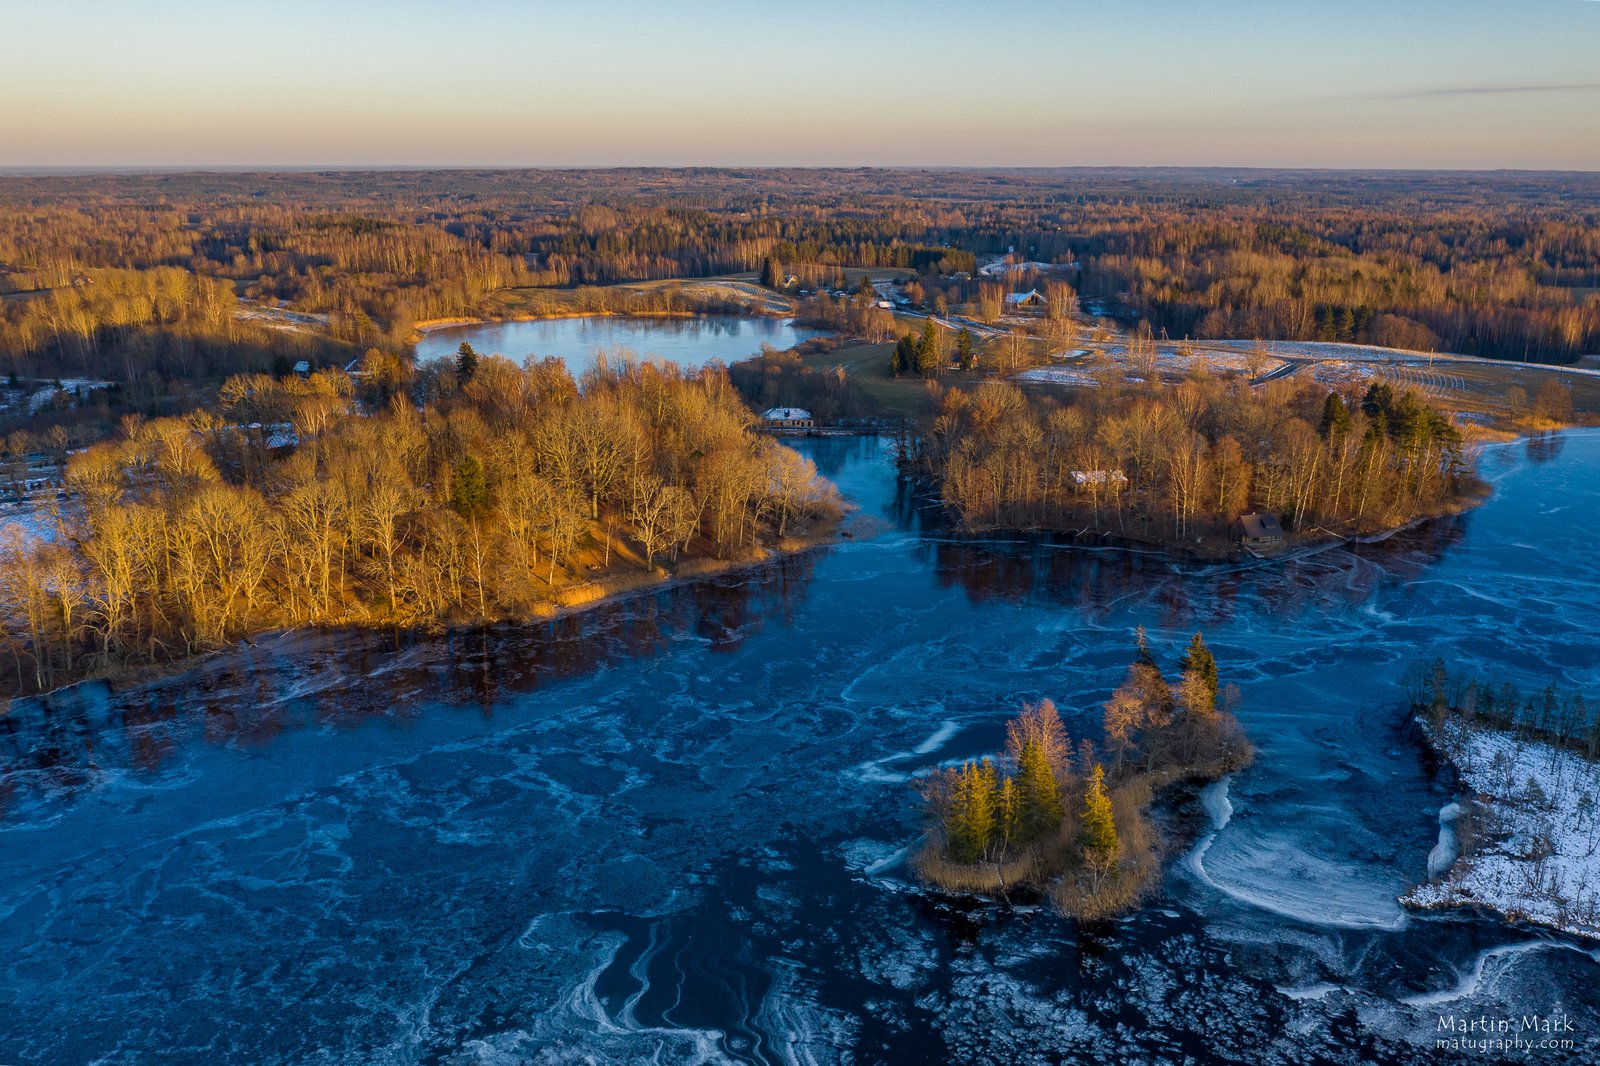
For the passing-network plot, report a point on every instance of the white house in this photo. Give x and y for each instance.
(1114, 478)
(1031, 298)
(787, 418)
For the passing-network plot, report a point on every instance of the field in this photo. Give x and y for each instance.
(868, 367)
(1475, 388)
(685, 295)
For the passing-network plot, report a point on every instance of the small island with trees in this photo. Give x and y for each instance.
(1073, 823)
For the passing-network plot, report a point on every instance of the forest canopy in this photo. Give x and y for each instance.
(1181, 465)
(1488, 265)
(504, 496)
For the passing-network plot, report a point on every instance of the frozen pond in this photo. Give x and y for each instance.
(685, 341)
(672, 829)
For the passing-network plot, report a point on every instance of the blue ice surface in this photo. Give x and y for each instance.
(675, 828)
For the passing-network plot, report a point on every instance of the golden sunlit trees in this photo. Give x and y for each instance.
(479, 505)
(1180, 465)
(1070, 824)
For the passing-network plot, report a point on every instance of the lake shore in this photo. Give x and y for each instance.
(431, 325)
(574, 598)
(1520, 839)
(1215, 550)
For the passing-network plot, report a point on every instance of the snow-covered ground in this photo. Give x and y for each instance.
(33, 518)
(1170, 361)
(1000, 268)
(280, 317)
(1368, 353)
(40, 394)
(1536, 818)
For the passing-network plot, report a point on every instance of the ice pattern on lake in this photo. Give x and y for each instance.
(674, 828)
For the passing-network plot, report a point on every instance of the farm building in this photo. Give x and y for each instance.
(1260, 531)
(1031, 298)
(787, 418)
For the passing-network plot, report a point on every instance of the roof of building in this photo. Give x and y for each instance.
(786, 414)
(1098, 477)
(1261, 526)
(1024, 297)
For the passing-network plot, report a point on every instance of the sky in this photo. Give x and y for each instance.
(1279, 83)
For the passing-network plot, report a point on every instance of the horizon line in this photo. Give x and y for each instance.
(63, 169)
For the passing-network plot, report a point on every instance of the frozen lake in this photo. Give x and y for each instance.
(685, 341)
(672, 829)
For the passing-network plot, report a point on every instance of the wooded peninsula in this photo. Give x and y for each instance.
(1181, 466)
(507, 492)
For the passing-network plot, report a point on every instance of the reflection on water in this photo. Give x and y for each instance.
(675, 828)
(1543, 447)
(1094, 579)
(342, 678)
(685, 341)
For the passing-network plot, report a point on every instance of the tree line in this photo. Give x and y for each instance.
(1503, 267)
(1563, 718)
(1180, 465)
(507, 492)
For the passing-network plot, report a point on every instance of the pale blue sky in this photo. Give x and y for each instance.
(1331, 83)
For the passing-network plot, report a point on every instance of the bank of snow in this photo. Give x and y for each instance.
(1534, 849)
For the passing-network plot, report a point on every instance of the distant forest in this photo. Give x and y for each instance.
(123, 276)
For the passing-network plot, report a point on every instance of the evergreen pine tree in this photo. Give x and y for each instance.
(1040, 794)
(466, 363)
(771, 274)
(1099, 826)
(1335, 416)
(866, 289)
(1199, 660)
(469, 492)
(1378, 400)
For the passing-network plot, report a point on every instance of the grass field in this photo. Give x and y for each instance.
(868, 367)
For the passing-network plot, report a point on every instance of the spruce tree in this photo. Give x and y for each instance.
(964, 348)
(466, 363)
(928, 348)
(904, 359)
(1199, 660)
(1040, 794)
(1335, 416)
(469, 491)
(1099, 834)
(1143, 655)
(971, 823)
(1008, 813)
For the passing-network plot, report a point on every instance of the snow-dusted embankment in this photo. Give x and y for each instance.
(1535, 847)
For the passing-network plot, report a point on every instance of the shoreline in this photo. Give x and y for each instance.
(579, 597)
(1135, 545)
(1172, 810)
(430, 325)
(1486, 874)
